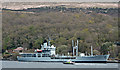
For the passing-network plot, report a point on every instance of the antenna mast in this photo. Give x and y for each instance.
(91, 51)
(48, 41)
(77, 49)
(73, 46)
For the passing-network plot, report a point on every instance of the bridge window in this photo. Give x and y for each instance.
(39, 55)
(33, 55)
(45, 55)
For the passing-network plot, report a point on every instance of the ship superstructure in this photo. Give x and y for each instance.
(48, 47)
(47, 54)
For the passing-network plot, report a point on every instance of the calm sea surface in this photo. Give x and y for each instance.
(17, 64)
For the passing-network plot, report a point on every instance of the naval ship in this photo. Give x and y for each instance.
(47, 54)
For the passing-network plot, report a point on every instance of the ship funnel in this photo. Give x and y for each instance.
(91, 51)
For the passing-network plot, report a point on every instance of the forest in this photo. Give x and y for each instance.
(28, 28)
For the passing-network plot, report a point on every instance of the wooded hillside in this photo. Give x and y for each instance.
(93, 26)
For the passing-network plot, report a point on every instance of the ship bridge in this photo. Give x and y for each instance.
(46, 47)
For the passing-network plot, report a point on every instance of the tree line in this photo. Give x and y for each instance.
(62, 25)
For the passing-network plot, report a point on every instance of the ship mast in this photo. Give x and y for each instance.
(91, 51)
(49, 41)
(75, 47)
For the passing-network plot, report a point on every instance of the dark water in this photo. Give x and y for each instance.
(17, 64)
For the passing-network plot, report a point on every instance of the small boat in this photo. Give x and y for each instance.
(69, 62)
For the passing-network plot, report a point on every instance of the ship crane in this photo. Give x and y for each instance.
(75, 47)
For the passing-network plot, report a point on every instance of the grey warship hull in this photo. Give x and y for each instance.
(47, 54)
(97, 58)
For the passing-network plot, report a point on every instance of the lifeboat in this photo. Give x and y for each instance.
(39, 50)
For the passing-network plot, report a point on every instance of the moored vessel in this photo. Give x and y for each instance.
(47, 54)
